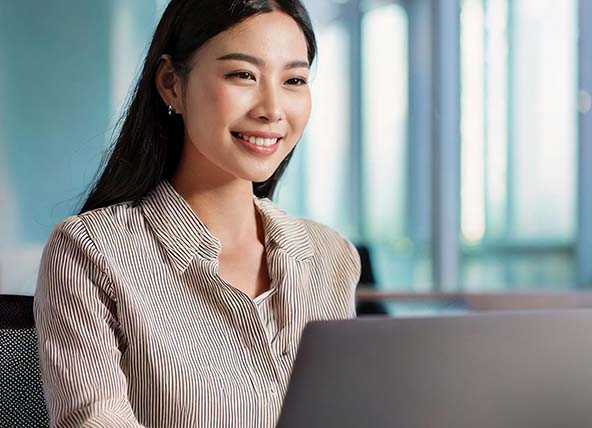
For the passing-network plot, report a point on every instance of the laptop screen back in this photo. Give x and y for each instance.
(511, 369)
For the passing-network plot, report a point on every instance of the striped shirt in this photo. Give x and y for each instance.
(136, 328)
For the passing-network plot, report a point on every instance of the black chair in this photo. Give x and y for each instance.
(367, 279)
(21, 394)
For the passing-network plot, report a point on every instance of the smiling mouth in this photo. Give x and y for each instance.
(265, 142)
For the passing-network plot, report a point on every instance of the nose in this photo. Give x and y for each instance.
(269, 107)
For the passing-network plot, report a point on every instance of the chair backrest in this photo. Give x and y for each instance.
(21, 394)
(368, 281)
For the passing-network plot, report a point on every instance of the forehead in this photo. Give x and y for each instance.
(273, 37)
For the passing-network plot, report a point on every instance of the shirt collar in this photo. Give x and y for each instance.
(283, 231)
(184, 236)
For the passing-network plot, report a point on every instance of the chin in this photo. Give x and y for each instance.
(258, 173)
(259, 178)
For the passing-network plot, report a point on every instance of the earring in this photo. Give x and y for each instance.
(171, 110)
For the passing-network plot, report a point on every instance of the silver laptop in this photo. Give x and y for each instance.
(495, 370)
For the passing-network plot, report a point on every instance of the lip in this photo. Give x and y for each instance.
(259, 150)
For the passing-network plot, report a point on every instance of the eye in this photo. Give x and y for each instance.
(296, 81)
(242, 75)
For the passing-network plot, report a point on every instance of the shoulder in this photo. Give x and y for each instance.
(69, 257)
(115, 223)
(326, 239)
(68, 234)
(116, 216)
(327, 244)
(330, 250)
(331, 246)
(87, 233)
(336, 271)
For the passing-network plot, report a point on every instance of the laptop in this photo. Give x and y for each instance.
(503, 370)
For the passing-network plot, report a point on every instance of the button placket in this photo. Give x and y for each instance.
(249, 365)
(254, 337)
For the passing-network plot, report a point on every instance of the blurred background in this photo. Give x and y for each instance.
(451, 138)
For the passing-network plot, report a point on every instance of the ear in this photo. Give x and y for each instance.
(168, 84)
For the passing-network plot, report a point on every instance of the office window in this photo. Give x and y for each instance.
(400, 255)
(519, 136)
(385, 109)
(544, 123)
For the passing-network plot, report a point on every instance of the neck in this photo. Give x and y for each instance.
(223, 203)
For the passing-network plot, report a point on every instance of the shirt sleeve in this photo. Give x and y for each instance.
(76, 324)
(355, 271)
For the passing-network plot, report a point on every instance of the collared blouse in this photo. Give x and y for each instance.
(136, 328)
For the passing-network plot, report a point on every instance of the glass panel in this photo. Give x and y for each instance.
(519, 120)
(472, 125)
(519, 137)
(496, 109)
(544, 96)
(292, 187)
(385, 76)
(398, 262)
(326, 147)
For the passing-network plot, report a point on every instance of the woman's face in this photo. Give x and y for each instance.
(247, 97)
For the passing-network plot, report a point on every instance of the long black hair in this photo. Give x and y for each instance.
(149, 143)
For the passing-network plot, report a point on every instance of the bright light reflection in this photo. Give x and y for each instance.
(496, 116)
(472, 122)
(545, 120)
(328, 137)
(385, 112)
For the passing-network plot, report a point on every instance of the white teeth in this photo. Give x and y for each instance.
(259, 141)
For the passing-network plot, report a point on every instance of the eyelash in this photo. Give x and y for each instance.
(243, 75)
(299, 80)
(246, 75)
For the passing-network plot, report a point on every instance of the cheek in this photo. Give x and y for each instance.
(219, 101)
(299, 112)
(214, 103)
(228, 103)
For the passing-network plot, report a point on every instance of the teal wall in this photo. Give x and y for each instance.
(65, 67)
(55, 104)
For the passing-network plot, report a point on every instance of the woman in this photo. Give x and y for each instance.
(177, 297)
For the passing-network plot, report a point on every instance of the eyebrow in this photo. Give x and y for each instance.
(257, 61)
